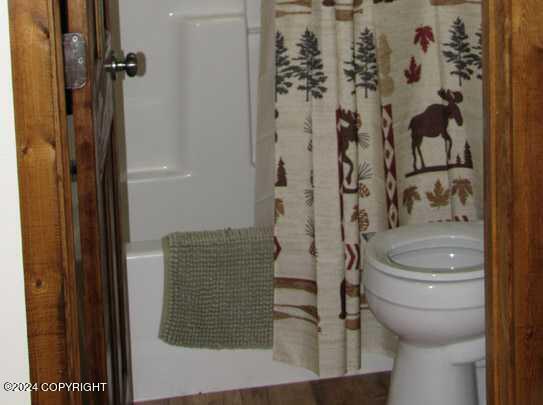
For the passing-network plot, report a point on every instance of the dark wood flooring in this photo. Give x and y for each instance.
(368, 389)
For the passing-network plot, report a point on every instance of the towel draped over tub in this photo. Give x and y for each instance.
(218, 289)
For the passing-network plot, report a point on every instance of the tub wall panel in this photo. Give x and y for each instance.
(188, 120)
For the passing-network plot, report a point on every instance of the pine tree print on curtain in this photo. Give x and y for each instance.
(477, 56)
(459, 53)
(363, 66)
(283, 68)
(308, 71)
(351, 77)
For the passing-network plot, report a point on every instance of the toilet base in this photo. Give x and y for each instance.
(423, 375)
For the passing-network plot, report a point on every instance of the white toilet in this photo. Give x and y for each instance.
(426, 284)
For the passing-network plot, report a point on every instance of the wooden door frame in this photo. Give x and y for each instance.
(45, 196)
(514, 238)
(514, 192)
(58, 349)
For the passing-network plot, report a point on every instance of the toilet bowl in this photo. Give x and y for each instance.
(426, 284)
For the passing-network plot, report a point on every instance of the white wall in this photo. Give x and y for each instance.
(13, 341)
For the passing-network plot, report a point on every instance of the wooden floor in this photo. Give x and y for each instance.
(359, 390)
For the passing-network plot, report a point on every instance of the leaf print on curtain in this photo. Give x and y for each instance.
(377, 122)
(412, 74)
(439, 197)
(462, 188)
(424, 36)
(410, 195)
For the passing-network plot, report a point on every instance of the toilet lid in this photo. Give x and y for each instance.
(438, 252)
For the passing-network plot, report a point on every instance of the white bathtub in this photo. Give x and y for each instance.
(164, 371)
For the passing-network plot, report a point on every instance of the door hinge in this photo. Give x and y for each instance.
(75, 60)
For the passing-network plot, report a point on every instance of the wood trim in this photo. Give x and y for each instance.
(44, 182)
(498, 205)
(527, 193)
(81, 18)
(514, 191)
(93, 113)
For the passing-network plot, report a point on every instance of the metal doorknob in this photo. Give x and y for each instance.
(128, 65)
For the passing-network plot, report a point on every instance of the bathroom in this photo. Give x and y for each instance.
(274, 202)
(183, 89)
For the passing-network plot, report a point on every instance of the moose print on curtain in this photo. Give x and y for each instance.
(378, 124)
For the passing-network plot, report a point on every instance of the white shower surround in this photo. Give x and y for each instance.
(190, 153)
(188, 121)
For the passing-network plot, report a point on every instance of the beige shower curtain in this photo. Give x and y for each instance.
(377, 122)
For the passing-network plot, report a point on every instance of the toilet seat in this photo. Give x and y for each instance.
(438, 253)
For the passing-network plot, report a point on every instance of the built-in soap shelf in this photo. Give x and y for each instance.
(157, 174)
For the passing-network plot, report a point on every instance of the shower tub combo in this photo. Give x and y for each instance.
(190, 155)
